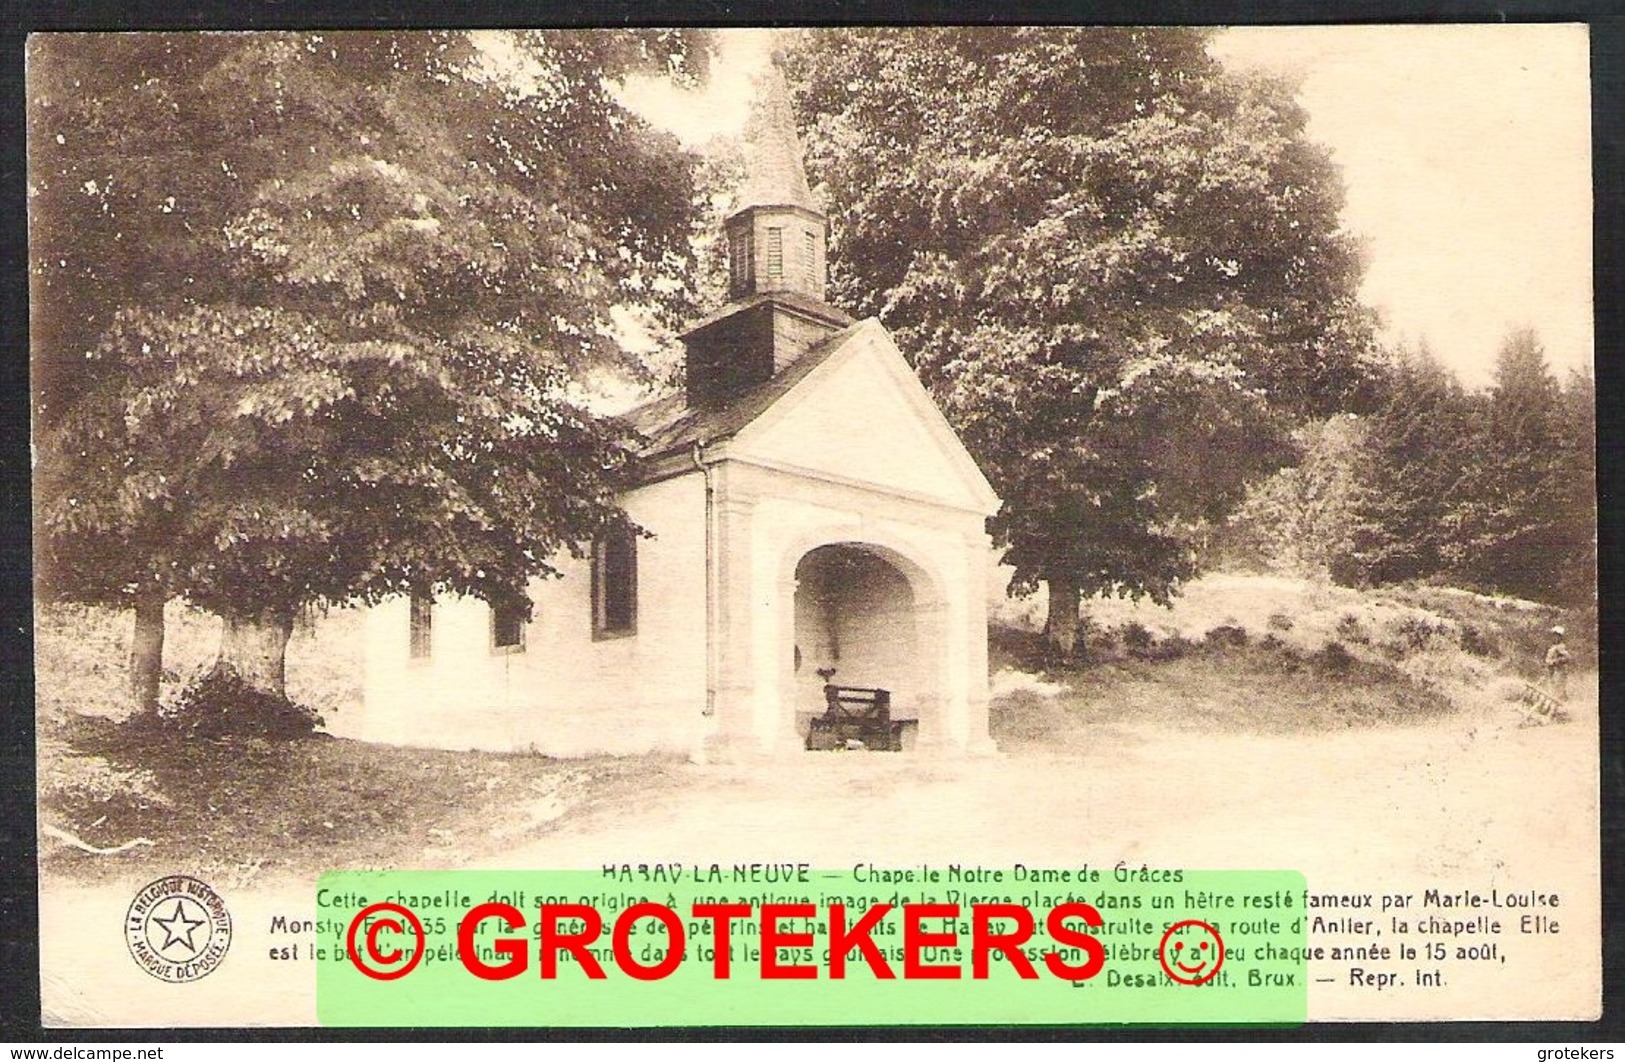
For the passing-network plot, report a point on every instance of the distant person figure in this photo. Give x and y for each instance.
(1557, 666)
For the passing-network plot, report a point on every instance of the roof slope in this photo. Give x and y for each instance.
(670, 424)
(908, 447)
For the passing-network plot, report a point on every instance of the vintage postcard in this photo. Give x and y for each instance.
(921, 525)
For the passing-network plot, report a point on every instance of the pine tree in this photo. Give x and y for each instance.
(1517, 521)
(1495, 489)
(1577, 504)
(1417, 450)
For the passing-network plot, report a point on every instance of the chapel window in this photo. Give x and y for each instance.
(809, 259)
(420, 625)
(775, 253)
(615, 584)
(507, 628)
(739, 258)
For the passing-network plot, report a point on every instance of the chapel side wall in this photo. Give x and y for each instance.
(458, 697)
(632, 693)
(564, 693)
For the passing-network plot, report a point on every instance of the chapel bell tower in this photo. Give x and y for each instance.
(777, 242)
(777, 236)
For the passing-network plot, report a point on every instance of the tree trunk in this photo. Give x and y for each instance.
(256, 647)
(147, 651)
(1061, 628)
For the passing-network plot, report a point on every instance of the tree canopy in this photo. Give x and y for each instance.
(1524, 516)
(311, 310)
(1119, 268)
(1492, 489)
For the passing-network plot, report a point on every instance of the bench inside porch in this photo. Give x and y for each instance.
(856, 718)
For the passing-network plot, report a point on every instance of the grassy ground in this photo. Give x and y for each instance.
(1235, 656)
(231, 810)
(1249, 689)
(1271, 654)
(235, 810)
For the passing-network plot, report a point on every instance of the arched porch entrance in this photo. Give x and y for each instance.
(863, 619)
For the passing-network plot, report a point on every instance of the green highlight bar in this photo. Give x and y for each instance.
(751, 944)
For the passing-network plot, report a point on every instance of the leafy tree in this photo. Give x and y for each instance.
(1302, 519)
(1119, 268)
(310, 311)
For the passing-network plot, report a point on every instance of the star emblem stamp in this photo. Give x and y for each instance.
(178, 929)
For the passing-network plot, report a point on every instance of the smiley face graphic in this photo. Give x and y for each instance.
(1191, 952)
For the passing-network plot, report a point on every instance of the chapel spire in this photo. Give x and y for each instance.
(777, 238)
(775, 174)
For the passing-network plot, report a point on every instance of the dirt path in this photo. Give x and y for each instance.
(1458, 803)
(1458, 796)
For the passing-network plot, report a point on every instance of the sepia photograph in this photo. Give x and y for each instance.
(1030, 454)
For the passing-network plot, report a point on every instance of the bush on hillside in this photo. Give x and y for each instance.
(1226, 636)
(1333, 658)
(221, 704)
(1478, 642)
(1173, 647)
(1136, 638)
(1350, 628)
(1407, 634)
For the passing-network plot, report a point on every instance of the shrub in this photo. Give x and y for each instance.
(1478, 642)
(1136, 638)
(1089, 636)
(1333, 658)
(1021, 649)
(1280, 621)
(1226, 635)
(1101, 641)
(1411, 633)
(1286, 657)
(221, 704)
(1352, 629)
(1171, 648)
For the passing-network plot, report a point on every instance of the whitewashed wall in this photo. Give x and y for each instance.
(942, 551)
(564, 693)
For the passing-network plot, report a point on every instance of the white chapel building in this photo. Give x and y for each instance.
(813, 519)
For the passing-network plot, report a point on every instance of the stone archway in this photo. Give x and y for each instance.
(871, 616)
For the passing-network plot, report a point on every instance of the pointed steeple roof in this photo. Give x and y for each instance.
(775, 174)
(778, 243)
